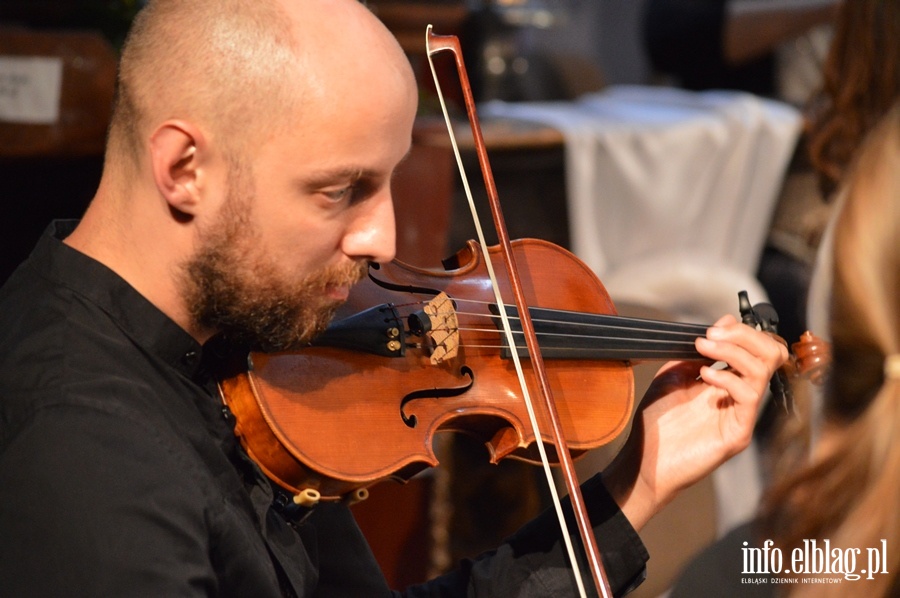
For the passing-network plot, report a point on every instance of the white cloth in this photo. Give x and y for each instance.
(661, 171)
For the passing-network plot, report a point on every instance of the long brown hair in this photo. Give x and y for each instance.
(847, 488)
(861, 81)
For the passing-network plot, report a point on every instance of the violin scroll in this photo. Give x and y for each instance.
(810, 358)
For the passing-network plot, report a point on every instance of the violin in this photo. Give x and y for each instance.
(415, 352)
(421, 352)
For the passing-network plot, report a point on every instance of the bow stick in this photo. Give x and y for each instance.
(434, 44)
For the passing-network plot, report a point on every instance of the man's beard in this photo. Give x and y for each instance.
(231, 288)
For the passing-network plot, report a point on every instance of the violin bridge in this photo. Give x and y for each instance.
(444, 331)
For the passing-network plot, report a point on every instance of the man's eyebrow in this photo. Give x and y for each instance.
(323, 178)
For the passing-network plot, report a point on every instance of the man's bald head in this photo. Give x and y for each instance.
(240, 68)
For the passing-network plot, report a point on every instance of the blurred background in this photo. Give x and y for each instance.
(662, 141)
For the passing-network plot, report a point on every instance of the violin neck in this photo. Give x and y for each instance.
(576, 335)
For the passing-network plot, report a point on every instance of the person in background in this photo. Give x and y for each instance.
(246, 187)
(858, 83)
(727, 44)
(861, 81)
(836, 472)
(837, 481)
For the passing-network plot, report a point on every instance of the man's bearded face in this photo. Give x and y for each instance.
(232, 286)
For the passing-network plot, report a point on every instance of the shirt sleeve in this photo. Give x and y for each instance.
(534, 562)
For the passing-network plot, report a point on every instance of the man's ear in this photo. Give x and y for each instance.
(177, 150)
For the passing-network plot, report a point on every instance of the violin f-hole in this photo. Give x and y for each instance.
(435, 393)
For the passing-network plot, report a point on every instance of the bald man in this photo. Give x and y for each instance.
(245, 188)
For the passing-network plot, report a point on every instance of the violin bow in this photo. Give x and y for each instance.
(435, 44)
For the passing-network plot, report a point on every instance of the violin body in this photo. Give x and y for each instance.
(336, 419)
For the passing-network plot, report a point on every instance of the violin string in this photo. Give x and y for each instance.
(688, 337)
(660, 345)
(619, 323)
(613, 322)
(623, 354)
(592, 325)
(688, 340)
(684, 342)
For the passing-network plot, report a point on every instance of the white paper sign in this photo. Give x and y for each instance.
(30, 89)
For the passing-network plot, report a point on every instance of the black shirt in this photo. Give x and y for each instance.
(120, 474)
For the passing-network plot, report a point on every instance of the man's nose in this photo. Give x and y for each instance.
(372, 235)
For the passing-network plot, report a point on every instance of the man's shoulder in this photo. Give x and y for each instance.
(59, 349)
(49, 333)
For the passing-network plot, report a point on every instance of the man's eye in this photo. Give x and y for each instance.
(339, 194)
